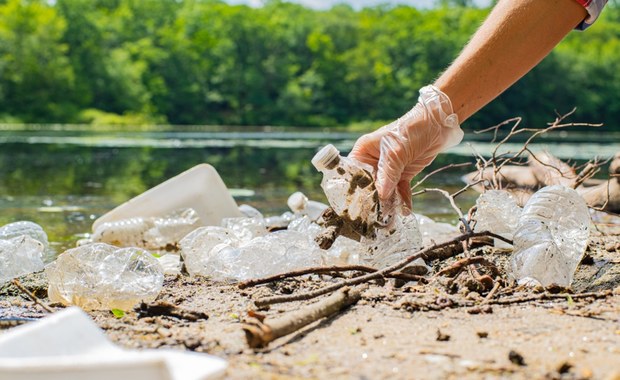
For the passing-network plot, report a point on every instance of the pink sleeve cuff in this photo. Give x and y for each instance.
(594, 8)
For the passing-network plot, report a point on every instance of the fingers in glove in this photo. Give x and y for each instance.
(391, 164)
(366, 149)
(404, 191)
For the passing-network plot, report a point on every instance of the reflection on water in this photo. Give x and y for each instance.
(64, 178)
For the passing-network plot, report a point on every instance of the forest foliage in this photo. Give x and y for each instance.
(207, 62)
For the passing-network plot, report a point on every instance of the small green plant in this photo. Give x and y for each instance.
(118, 313)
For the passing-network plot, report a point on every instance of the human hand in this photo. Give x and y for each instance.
(400, 150)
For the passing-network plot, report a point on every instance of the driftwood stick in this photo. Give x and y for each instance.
(325, 270)
(260, 333)
(430, 253)
(30, 295)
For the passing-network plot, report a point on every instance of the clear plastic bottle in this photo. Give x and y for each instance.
(349, 187)
(497, 211)
(101, 276)
(19, 256)
(551, 237)
(154, 233)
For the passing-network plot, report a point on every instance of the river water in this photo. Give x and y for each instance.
(64, 177)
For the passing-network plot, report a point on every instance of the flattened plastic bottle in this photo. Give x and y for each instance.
(100, 276)
(551, 237)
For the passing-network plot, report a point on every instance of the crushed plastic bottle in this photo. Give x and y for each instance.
(217, 252)
(250, 212)
(201, 247)
(161, 233)
(551, 237)
(344, 251)
(19, 256)
(170, 263)
(390, 245)
(349, 187)
(497, 211)
(246, 228)
(102, 276)
(306, 226)
(435, 232)
(24, 227)
(350, 190)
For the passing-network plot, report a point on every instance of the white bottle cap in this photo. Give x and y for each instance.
(326, 158)
(297, 202)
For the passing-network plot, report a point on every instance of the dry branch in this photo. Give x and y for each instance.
(326, 270)
(259, 333)
(433, 252)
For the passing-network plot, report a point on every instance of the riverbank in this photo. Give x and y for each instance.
(431, 331)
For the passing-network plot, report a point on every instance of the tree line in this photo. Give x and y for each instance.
(207, 62)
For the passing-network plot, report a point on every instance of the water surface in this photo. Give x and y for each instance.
(64, 177)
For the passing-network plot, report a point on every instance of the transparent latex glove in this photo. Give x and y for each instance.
(400, 150)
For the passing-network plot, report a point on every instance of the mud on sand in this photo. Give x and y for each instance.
(433, 331)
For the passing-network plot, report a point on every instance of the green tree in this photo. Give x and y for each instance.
(37, 78)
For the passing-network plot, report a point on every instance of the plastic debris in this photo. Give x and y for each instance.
(170, 263)
(349, 187)
(344, 251)
(250, 212)
(306, 226)
(157, 233)
(435, 232)
(551, 237)
(497, 211)
(246, 228)
(278, 222)
(219, 253)
(24, 227)
(19, 256)
(300, 204)
(350, 190)
(68, 345)
(393, 244)
(102, 276)
(200, 188)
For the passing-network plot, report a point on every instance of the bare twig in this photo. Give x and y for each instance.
(491, 294)
(586, 173)
(259, 333)
(452, 202)
(498, 162)
(428, 254)
(438, 171)
(30, 295)
(323, 270)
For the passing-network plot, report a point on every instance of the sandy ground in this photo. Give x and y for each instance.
(413, 332)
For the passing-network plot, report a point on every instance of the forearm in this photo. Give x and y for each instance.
(516, 36)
